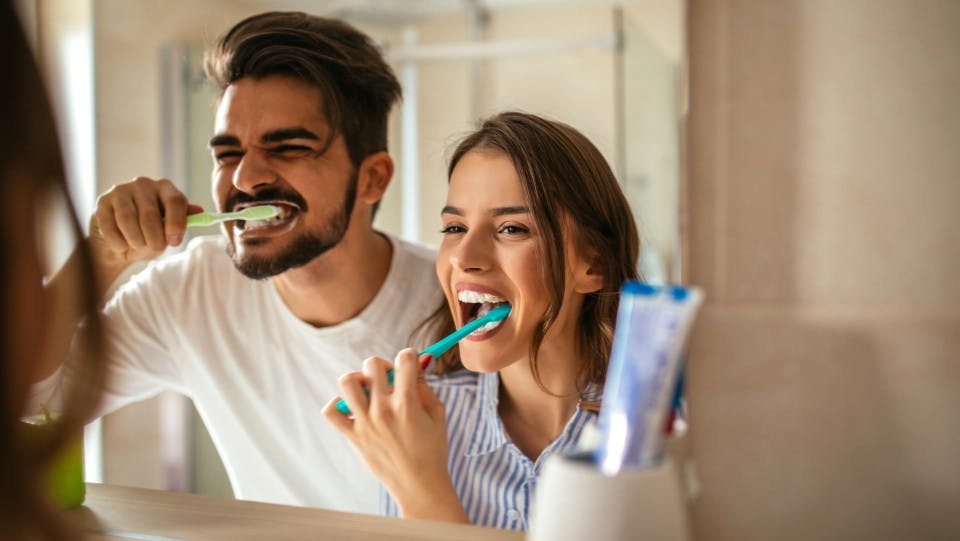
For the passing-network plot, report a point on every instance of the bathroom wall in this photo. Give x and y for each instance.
(823, 185)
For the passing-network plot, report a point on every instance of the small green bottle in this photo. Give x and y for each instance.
(64, 475)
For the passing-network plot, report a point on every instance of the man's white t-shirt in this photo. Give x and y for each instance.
(258, 375)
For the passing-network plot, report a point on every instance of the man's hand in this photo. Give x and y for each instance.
(136, 221)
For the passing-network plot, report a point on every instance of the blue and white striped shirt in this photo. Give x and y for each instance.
(494, 479)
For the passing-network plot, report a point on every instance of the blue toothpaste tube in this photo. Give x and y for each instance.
(645, 363)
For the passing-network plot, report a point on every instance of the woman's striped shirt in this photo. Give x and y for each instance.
(496, 482)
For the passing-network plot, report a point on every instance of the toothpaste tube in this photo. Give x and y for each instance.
(645, 362)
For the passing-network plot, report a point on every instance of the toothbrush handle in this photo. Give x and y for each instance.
(201, 219)
(434, 350)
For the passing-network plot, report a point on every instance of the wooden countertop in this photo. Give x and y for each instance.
(117, 513)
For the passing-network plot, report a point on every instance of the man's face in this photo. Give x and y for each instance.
(269, 148)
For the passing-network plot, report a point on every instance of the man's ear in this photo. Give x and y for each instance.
(587, 275)
(374, 176)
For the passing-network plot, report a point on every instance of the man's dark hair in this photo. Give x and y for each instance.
(356, 85)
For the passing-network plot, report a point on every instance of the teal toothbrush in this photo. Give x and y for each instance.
(440, 347)
(260, 212)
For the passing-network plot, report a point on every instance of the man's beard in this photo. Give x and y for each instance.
(304, 248)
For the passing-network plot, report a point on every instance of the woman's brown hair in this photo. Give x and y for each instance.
(32, 172)
(569, 188)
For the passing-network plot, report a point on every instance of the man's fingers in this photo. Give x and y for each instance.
(150, 215)
(127, 218)
(105, 225)
(175, 209)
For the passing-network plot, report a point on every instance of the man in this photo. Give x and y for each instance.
(301, 125)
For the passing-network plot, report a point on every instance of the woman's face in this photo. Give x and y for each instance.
(490, 255)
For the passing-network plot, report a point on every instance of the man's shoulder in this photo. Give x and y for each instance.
(207, 252)
(419, 255)
(203, 260)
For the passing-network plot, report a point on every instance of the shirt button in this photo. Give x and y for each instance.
(513, 514)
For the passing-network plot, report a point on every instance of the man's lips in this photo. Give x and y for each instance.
(270, 227)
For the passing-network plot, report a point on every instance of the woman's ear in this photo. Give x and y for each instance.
(587, 275)
(374, 176)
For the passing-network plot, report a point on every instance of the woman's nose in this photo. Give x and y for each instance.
(472, 253)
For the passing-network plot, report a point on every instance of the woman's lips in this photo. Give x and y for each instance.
(475, 301)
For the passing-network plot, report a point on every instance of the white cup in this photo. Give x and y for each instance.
(575, 501)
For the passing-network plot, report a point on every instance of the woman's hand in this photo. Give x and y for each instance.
(401, 435)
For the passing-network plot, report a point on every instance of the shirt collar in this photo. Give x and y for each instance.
(489, 434)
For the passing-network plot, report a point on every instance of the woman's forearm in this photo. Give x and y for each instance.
(438, 503)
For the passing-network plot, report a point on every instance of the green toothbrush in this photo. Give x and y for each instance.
(260, 212)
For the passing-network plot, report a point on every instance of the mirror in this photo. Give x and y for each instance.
(611, 69)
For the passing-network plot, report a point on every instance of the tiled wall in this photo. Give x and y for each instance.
(823, 188)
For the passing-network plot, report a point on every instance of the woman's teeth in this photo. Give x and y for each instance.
(474, 297)
(487, 302)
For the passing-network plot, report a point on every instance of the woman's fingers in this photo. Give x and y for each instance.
(375, 371)
(351, 385)
(431, 403)
(406, 374)
(335, 417)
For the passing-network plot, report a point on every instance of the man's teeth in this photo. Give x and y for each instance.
(476, 297)
(283, 216)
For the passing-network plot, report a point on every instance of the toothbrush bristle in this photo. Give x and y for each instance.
(499, 313)
(261, 212)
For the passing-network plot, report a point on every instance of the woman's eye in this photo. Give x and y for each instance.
(512, 229)
(451, 229)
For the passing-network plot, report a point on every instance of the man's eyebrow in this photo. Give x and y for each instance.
(224, 141)
(499, 211)
(283, 134)
(274, 136)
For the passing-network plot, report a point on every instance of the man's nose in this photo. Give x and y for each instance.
(253, 172)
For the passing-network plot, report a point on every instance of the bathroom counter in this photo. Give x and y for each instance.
(113, 512)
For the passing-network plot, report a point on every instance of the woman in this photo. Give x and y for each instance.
(534, 218)
(32, 175)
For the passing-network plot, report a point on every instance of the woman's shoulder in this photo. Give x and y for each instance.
(461, 380)
(461, 392)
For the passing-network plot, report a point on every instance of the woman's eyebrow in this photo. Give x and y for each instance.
(503, 211)
(499, 211)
